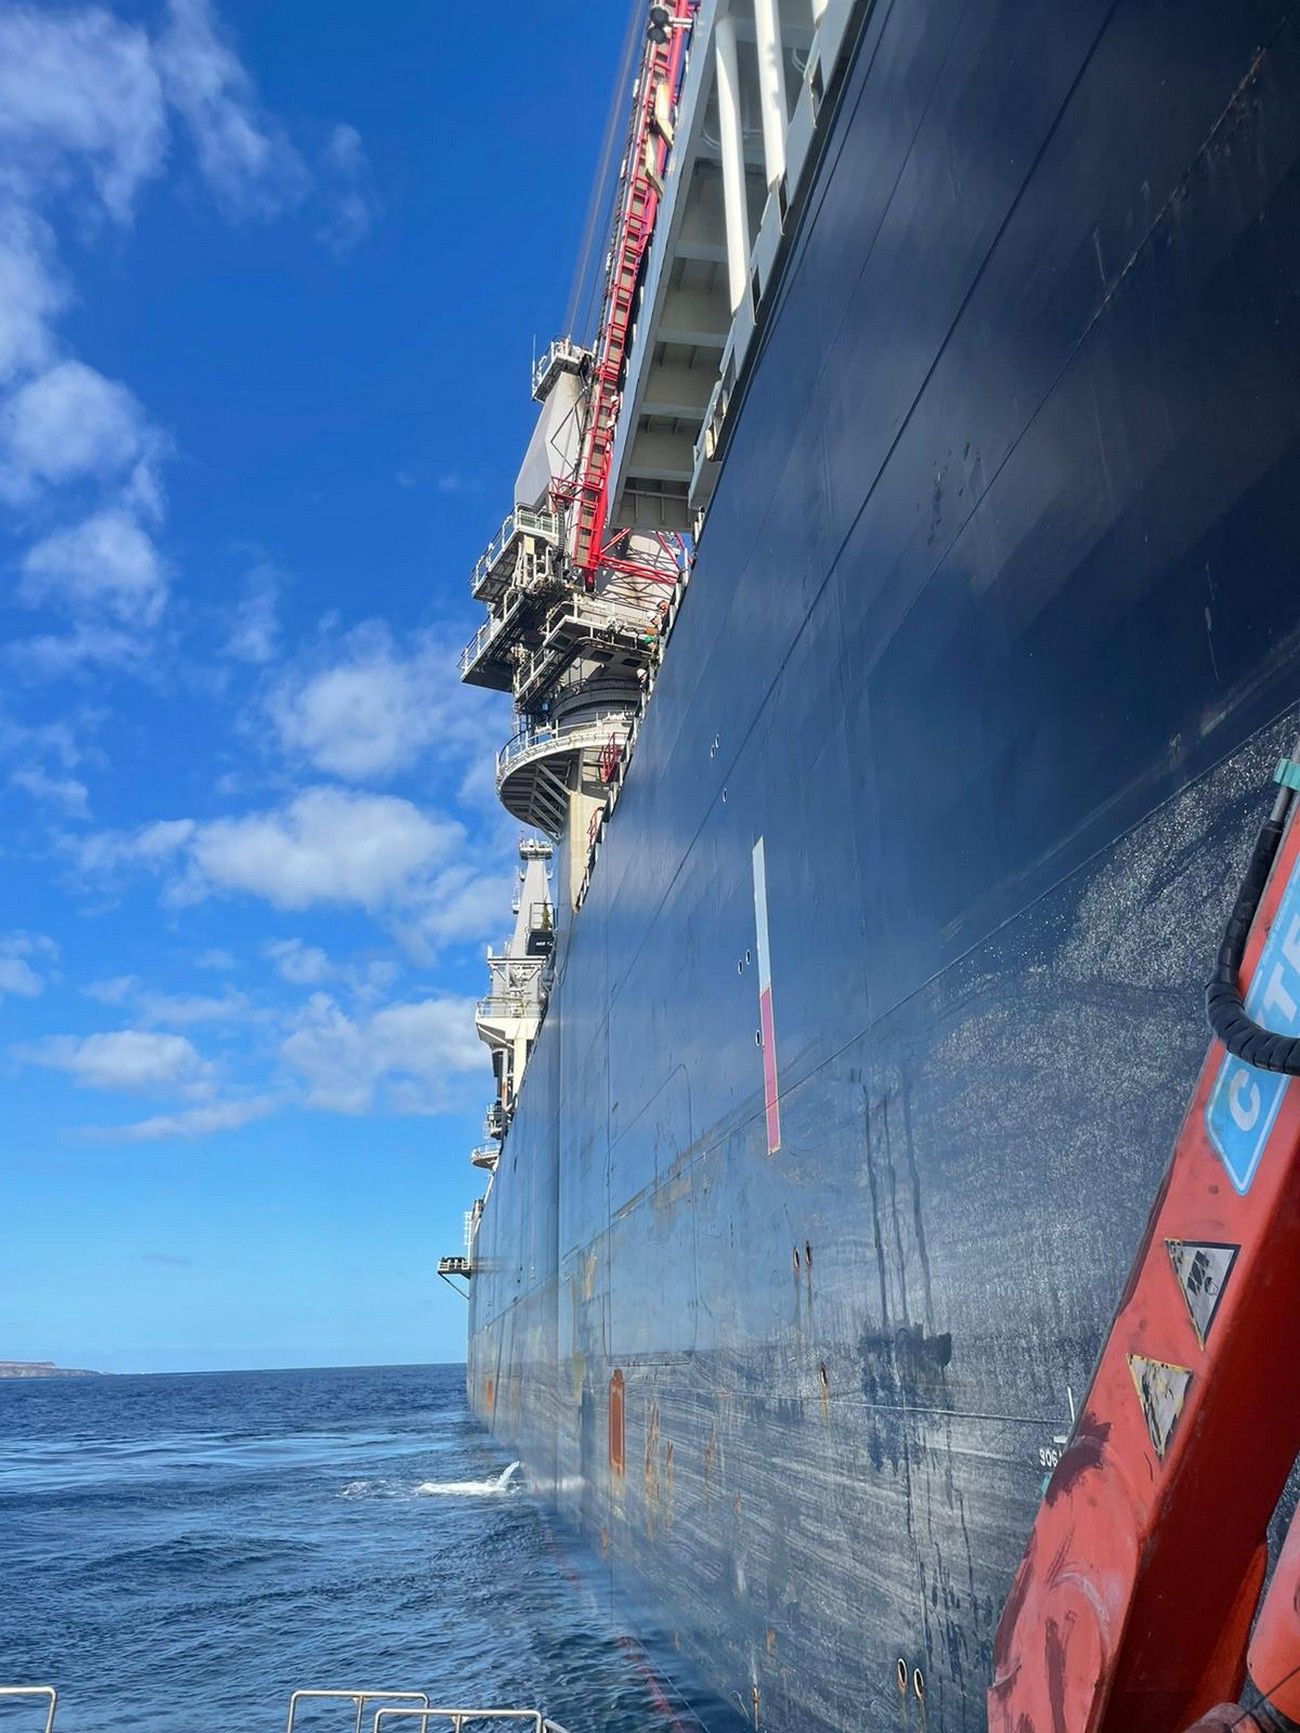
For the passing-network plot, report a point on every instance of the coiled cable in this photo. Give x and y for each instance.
(1224, 1005)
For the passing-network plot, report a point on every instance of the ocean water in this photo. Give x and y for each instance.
(185, 1551)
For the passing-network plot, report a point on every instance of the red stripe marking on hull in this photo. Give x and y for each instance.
(768, 1025)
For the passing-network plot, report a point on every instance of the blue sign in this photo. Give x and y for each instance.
(1244, 1102)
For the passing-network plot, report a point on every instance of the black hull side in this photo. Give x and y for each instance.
(992, 636)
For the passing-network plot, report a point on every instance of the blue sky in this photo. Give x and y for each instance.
(269, 283)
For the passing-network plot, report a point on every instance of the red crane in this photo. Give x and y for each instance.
(649, 141)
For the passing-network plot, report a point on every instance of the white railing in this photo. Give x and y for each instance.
(392, 1705)
(360, 1698)
(45, 1694)
(522, 1002)
(520, 522)
(480, 642)
(564, 355)
(458, 1718)
(559, 736)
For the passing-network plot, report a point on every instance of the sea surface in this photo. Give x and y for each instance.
(182, 1552)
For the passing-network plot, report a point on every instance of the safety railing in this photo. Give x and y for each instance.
(36, 1694)
(361, 1699)
(537, 742)
(563, 356)
(520, 1003)
(522, 521)
(576, 620)
(388, 1705)
(480, 642)
(460, 1717)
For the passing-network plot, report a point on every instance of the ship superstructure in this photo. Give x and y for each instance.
(899, 602)
(582, 581)
(509, 1016)
(575, 603)
(573, 648)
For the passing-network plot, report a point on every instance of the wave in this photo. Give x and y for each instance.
(506, 1481)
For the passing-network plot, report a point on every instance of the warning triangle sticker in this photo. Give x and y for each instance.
(1162, 1390)
(1202, 1272)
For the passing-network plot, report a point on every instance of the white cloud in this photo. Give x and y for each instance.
(244, 157)
(415, 1054)
(303, 965)
(467, 902)
(50, 654)
(216, 959)
(71, 422)
(366, 709)
(18, 977)
(181, 1009)
(137, 1061)
(185, 1009)
(328, 846)
(156, 846)
(325, 846)
(105, 566)
(70, 795)
(81, 115)
(56, 742)
(115, 991)
(189, 1122)
(79, 95)
(86, 101)
(349, 188)
(255, 628)
(31, 291)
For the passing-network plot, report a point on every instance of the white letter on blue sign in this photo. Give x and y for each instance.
(1276, 995)
(1244, 1112)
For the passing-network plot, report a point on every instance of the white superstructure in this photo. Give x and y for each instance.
(508, 1018)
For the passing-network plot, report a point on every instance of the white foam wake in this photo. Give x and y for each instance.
(504, 1482)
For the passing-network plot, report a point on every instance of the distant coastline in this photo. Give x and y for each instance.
(43, 1369)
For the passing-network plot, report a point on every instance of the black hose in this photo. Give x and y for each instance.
(1239, 1033)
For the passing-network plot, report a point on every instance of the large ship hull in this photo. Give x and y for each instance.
(991, 638)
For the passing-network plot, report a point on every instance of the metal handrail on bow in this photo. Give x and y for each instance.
(44, 1693)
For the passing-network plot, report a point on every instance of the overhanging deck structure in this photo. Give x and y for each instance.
(757, 79)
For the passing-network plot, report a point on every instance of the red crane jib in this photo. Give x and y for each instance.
(661, 65)
(1132, 1609)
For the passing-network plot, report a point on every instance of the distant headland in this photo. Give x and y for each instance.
(42, 1369)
